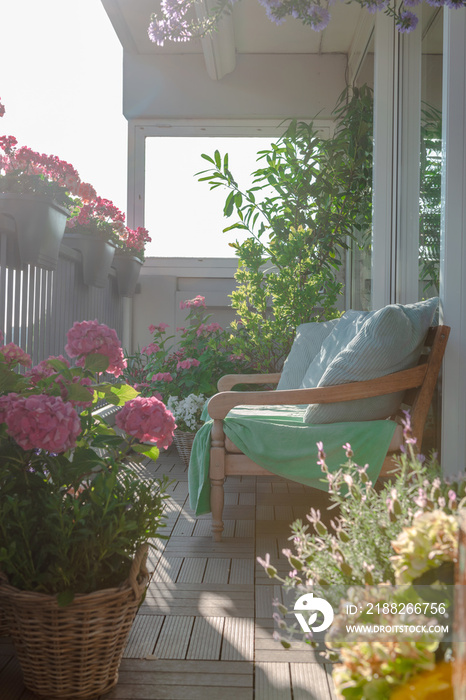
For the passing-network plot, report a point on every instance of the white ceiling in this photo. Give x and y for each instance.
(253, 31)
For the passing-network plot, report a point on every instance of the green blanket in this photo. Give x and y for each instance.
(276, 438)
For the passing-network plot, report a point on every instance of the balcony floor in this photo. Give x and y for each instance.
(204, 631)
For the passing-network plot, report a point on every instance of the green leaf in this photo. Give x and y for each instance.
(149, 450)
(65, 598)
(218, 159)
(78, 392)
(123, 392)
(96, 362)
(206, 157)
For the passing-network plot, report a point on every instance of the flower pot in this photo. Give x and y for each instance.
(97, 256)
(35, 227)
(127, 273)
(184, 442)
(74, 651)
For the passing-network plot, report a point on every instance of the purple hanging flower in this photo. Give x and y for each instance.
(319, 17)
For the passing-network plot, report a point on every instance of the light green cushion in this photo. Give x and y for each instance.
(390, 340)
(342, 332)
(307, 343)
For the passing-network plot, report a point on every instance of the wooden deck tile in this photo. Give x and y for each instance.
(247, 499)
(264, 512)
(184, 525)
(217, 571)
(238, 639)
(245, 528)
(143, 636)
(272, 681)
(310, 681)
(242, 571)
(231, 498)
(167, 568)
(192, 570)
(206, 638)
(174, 638)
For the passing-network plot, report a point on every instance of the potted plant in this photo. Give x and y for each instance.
(75, 519)
(129, 258)
(34, 195)
(91, 229)
(188, 370)
(384, 558)
(187, 413)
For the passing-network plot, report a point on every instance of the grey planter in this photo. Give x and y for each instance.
(127, 273)
(35, 228)
(97, 256)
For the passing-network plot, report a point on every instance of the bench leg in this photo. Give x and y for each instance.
(216, 505)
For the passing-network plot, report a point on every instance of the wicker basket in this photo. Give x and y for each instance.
(74, 651)
(184, 442)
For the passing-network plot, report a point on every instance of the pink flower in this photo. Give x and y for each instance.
(151, 348)
(193, 303)
(43, 422)
(186, 364)
(148, 420)
(5, 406)
(162, 377)
(160, 328)
(89, 337)
(44, 369)
(234, 358)
(14, 355)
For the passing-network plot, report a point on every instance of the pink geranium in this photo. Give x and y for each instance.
(42, 422)
(14, 355)
(148, 420)
(162, 377)
(193, 303)
(186, 364)
(161, 327)
(150, 349)
(90, 337)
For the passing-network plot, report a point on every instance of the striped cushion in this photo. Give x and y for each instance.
(390, 340)
(306, 345)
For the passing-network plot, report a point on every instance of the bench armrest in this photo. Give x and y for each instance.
(222, 403)
(228, 381)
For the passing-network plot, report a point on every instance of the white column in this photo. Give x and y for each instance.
(453, 251)
(385, 107)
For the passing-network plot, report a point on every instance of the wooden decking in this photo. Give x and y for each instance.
(205, 629)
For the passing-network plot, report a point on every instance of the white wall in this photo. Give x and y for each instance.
(262, 86)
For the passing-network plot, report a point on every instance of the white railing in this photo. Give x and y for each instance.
(38, 307)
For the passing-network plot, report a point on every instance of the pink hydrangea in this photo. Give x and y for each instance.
(193, 303)
(186, 364)
(43, 422)
(148, 420)
(162, 377)
(5, 406)
(14, 355)
(90, 337)
(150, 349)
(44, 369)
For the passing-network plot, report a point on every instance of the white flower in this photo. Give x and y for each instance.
(187, 411)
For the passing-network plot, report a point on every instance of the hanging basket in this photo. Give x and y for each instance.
(184, 442)
(34, 226)
(127, 269)
(74, 651)
(97, 256)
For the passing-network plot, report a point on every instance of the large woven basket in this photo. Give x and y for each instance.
(184, 442)
(74, 651)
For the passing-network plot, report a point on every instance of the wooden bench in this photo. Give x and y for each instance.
(226, 459)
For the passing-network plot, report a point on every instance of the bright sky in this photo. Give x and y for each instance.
(61, 84)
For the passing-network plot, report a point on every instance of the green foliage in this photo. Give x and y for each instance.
(308, 199)
(430, 199)
(203, 354)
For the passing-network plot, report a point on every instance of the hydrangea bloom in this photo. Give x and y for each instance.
(148, 420)
(89, 337)
(13, 355)
(43, 422)
(44, 369)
